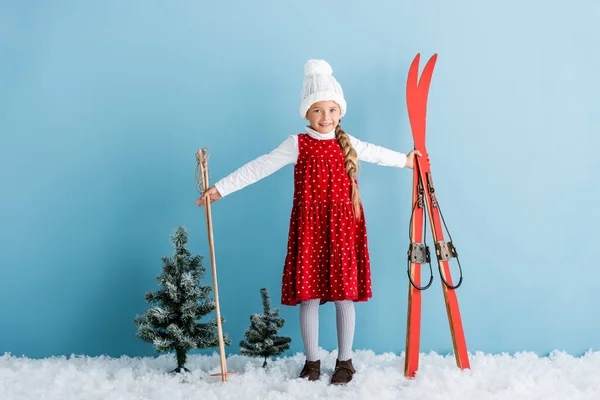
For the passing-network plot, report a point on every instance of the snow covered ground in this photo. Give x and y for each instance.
(522, 376)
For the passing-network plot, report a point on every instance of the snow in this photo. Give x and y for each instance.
(491, 377)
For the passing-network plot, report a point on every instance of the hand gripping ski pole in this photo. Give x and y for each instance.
(425, 202)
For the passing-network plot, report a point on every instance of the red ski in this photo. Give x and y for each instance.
(424, 199)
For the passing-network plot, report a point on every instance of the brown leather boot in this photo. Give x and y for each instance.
(311, 370)
(343, 372)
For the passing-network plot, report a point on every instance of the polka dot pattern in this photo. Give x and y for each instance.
(328, 256)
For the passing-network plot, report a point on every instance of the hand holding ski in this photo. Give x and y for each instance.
(410, 158)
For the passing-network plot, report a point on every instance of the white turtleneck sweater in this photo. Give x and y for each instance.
(287, 153)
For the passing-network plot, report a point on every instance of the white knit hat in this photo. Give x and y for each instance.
(320, 85)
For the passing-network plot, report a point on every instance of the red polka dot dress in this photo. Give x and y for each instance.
(328, 256)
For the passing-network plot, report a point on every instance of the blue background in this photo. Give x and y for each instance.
(103, 106)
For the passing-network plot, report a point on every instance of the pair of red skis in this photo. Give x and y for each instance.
(425, 203)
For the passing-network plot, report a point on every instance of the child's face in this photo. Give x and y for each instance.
(324, 116)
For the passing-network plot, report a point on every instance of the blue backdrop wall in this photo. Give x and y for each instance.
(103, 106)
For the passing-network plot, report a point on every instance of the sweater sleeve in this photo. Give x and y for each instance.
(372, 153)
(261, 167)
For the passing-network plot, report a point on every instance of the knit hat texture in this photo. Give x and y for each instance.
(320, 85)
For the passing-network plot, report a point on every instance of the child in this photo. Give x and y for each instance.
(327, 257)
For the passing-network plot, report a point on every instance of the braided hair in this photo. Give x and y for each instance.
(352, 167)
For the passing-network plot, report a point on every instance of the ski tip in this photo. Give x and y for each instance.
(433, 59)
(413, 71)
(415, 63)
(417, 58)
(412, 79)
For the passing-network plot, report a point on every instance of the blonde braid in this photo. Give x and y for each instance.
(352, 166)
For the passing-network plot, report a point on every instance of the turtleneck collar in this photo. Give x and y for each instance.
(321, 136)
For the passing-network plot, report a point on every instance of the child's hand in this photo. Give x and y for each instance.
(410, 158)
(211, 193)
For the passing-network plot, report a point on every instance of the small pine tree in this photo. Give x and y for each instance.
(260, 338)
(172, 323)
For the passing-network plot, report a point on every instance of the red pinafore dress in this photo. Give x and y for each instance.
(328, 256)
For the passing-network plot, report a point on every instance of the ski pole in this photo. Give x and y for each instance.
(202, 170)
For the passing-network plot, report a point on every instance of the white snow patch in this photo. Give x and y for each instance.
(521, 376)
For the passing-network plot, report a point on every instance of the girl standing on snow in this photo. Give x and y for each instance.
(328, 256)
